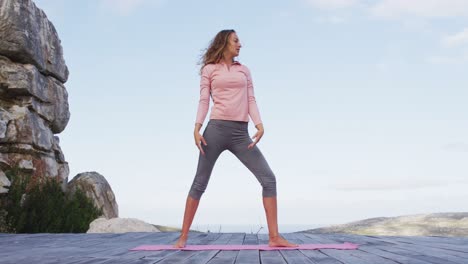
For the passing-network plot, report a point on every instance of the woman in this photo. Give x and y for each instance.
(230, 85)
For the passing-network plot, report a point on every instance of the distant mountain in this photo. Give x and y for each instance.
(436, 224)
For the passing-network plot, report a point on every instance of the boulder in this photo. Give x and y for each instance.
(120, 225)
(98, 189)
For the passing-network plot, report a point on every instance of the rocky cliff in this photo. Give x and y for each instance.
(34, 103)
(33, 98)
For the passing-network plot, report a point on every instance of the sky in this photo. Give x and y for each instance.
(363, 105)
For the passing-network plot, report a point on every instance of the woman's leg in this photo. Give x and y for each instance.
(254, 160)
(275, 240)
(191, 206)
(216, 141)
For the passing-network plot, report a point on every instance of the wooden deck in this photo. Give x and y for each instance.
(114, 248)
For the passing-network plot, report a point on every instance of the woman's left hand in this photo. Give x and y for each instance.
(257, 136)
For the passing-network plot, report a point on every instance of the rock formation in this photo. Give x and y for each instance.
(98, 189)
(120, 225)
(33, 98)
(34, 103)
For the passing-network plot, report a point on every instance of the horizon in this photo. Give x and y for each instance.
(363, 104)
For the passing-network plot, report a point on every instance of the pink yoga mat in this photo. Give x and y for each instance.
(345, 245)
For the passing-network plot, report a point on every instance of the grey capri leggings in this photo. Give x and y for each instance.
(233, 136)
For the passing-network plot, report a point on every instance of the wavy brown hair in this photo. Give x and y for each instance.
(214, 52)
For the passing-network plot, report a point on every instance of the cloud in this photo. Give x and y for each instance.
(457, 39)
(126, 7)
(332, 4)
(382, 66)
(392, 9)
(330, 20)
(400, 184)
(285, 14)
(447, 60)
(457, 147)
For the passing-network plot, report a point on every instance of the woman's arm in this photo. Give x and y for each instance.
(205, 88)
(253, 108)
(253, 111)
(203, 105)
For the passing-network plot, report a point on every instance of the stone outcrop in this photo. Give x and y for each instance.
(28, 37)
(98, 189)
(120, 225)
(34, 103)
(33, 98)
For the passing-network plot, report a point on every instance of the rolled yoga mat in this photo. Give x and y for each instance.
(345, 245)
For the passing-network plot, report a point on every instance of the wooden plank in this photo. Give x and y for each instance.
(434, 255)
(294, 256)
(249, 256)
(414, 251)
(32, 253)
(83, 247)
(456, 249)
(362, 240)
(347, 257)
(109, 261)
(250, 239)
(318, 239)
(449, 243)
(316, 256)
(269, 257)
(440, 253)
(228, 256)
(351, 256)
(430, 242)
(385, 252)
(205, 255)
(162, 254)
(115, 246)
(388, 245)
(106, 249)
(438, 239)
(181, 255)
(79, 250)
(163, 238)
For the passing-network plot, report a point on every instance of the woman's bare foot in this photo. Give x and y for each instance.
(278, 241)
(181, 241)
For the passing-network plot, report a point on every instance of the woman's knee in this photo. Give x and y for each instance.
(269, 190)
(269, 186)
(196, 193)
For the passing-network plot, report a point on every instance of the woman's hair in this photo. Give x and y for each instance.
(214, 52)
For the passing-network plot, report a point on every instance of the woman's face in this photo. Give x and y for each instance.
(233, 46)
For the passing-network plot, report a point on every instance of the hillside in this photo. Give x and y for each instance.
(436, 224)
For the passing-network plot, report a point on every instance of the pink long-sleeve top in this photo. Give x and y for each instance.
(232, 92)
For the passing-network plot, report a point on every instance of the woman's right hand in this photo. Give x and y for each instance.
(199, 139)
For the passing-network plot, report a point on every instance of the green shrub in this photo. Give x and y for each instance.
(37, 204)
(4, 228)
